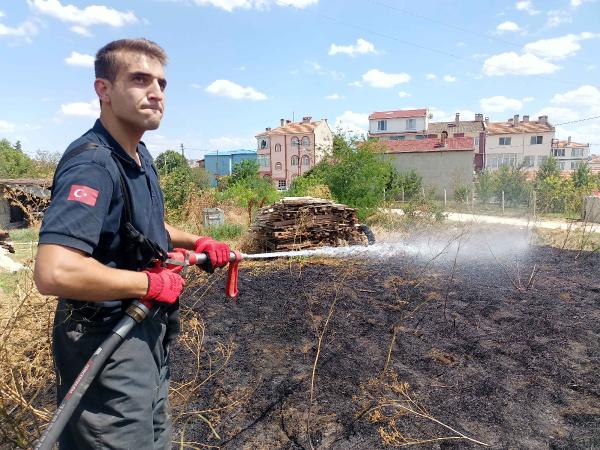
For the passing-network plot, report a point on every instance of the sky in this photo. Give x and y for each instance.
(238, 66)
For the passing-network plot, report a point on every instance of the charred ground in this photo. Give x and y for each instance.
(503, 349)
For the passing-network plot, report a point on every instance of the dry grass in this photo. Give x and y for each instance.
(26, 371)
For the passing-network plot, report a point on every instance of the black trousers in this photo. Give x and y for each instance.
(126, 406)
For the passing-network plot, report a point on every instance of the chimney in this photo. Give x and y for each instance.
(268, 129)
(478, 117)
(457, 119)
(487, 120)
(525, 119)
(510, 121)
(288, 121)
(569, 140)
(306, 119)
(324, 119)
(281, 121)
(516, 120)
(543, 119)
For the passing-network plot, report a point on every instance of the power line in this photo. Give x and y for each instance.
(580, 120)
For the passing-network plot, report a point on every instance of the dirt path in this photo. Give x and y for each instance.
(503, 348)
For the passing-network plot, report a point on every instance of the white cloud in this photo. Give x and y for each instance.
(231, 143)
(82, 18)
(527, 99)
(449, 79)
(557, 17)
(355, 84)
(508, 26)
(439, 115)
(230, 5)
(80, 60)
(558, 48)
(527, 6)
(334, 97)
(511, 63)
(2, 14)
(25, 30)
(403, 94)
(557, 114)
(6, 127)
(81, 109)
(352, 122)
(226, 88)
(320, 70)
(83, 31)
(499, 103)
(586, 96)
(430, 76)
(578, 3)
(377, 78)
(362, 47)
(461, 44)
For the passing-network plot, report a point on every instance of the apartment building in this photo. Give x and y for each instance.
(399, 125)
(570, 154)
(518, 142)
(475, 129)
(292, 149)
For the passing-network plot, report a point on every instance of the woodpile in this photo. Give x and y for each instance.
(4, 242)
(296, 223)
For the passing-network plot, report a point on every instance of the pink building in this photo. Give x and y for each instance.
(292, 149)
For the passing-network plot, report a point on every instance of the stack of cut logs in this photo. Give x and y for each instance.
(295, 223)
(4, 241)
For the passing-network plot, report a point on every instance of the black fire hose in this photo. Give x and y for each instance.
(135, 313)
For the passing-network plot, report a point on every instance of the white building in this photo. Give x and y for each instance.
(570, 154)
(399, 125)
(516, 142)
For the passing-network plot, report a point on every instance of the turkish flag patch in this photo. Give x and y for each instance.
(83, 194)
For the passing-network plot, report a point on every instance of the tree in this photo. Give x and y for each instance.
(549, 168)
(582, 177)
(244, 170)
(170, 161)
(13, 163)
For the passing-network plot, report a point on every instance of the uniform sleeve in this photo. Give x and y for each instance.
(81, 199)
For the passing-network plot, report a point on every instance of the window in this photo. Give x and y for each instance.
(493, 161)
(411, 124)
(419, 136)
(262, 143)
(541, 160)
(294, 160)
(536, 140)
(558, 152)
(381, 125)
(277, 166)
(295, 142)
(561, 165)
(277, 147)
(504, 141)
(281, 185)
(306, 160)
(305, 142)
(476, 143)
(575, 164)
(528, 161)
(264, 161)
(577, 152)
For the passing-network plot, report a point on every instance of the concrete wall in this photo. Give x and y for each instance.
(441, 170)
(4, 213)
(398, 125)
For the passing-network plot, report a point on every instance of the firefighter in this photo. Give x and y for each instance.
(104, 225)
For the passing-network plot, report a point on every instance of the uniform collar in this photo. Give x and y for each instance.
(112, 143)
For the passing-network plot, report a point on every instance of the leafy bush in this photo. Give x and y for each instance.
(513, 182)
(225, 232)
(170, 161)
(485, 186)
(461, 193)
(404, 185)
(13, 162)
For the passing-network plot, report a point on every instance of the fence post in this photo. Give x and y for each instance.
(423, 191)
(502, 202)
(444, 197)
(402, 194)
(534, 204)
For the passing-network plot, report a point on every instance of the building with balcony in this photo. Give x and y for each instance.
(399, 125)
(569, 154)
(518, 142)
(292, 149)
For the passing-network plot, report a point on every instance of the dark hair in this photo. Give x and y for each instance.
(107, 63)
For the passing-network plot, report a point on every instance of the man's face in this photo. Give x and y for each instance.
(137, 95)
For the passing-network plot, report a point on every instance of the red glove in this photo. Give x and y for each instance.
(218, 252)
(163, 285)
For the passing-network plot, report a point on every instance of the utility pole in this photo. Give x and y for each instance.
(182, 150)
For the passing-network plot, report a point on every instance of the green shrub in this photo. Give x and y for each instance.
(404, 185)
(461, 193)
(226, 231)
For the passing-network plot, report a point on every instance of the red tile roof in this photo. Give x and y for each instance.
(563, 144)
(429, 145)
(292, 128)
(398, 114)
(533, 126)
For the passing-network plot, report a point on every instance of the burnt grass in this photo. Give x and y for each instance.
(505, 357)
